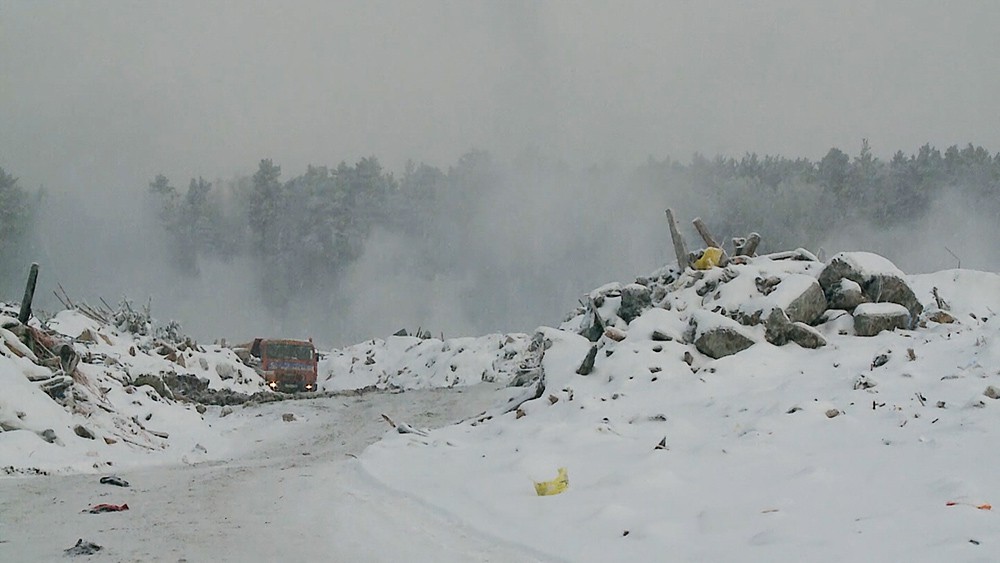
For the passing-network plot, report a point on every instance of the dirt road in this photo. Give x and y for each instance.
(295, 493)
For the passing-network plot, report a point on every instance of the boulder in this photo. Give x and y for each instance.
(636, 298)
(719, 342)
(892, 289)
(806, 336)
(779, 330)
(846, 294)
(717, 336)
(808, 306)
(880, 280)
(872, 318)
(777, 327)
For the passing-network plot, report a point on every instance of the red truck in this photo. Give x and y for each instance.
(287, 365)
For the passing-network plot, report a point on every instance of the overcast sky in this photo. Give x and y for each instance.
(103, 95)
(97, 97)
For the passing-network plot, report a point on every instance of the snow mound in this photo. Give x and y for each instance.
(408, 362)
(768, 451)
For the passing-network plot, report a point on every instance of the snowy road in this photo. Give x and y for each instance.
(294, 493)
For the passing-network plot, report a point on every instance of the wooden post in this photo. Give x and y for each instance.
(29, 294)
(750, 246)
(705, 235)
(680, 248)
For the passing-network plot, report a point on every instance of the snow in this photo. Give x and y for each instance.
(870, 449)
(869, 264)
(881, 309)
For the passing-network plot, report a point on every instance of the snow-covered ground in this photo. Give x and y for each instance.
(292, 491)
(868, 448)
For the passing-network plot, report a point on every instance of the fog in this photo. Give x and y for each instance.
(97, 97)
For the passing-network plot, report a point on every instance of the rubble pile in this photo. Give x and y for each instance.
(101, 379)
(788, 297)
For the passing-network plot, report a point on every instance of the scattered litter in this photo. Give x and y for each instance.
(768, 510)
(984, 506)
(100, 508)
(114, 480)
(555, 486)
(83, 548)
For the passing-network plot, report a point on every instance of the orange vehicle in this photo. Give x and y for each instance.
(287, 365)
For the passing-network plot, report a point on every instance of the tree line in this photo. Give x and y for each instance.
(304, 232)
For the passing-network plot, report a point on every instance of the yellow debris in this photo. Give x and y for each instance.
(709, 259)
(555, 486)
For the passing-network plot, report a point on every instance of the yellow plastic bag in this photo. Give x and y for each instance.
(555, 486)
(709, 259)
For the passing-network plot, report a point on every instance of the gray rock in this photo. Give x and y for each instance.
(201, 408)
(777, 327)
(992, 392)
(83, 432)
(808, 306)
(722, 341)
(806, 336)
(845, 295)
(49, 435)
(588, 362)
(288, 417)
(872, 318)
(779, 330)
(717, 336)
(885, 285)
(636, 298)
(660, 336)
(892, 289)
(226, 411)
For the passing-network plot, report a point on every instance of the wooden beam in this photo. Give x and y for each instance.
(750, 246)
(29, 294)
(680, 249)
(706, 236)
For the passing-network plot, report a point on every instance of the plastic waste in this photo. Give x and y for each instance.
(555, 486)
(709, 259)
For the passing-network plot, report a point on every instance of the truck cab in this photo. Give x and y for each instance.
(286, 365)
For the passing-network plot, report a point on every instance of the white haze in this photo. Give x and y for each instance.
(98, 97)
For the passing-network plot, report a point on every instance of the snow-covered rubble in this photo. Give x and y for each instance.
(409, 362)
(866, 448)
(110, 407)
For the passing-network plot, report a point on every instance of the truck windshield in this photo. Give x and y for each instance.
(289, 351)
